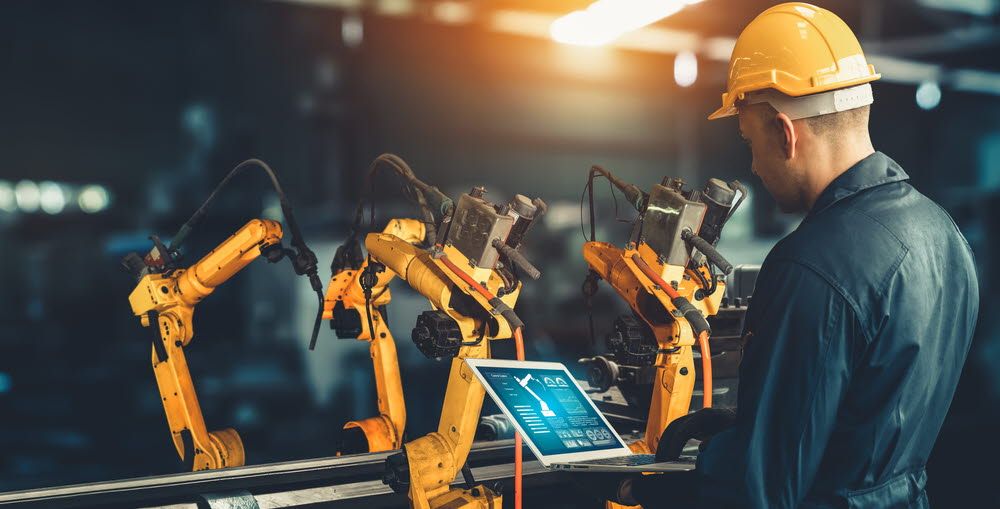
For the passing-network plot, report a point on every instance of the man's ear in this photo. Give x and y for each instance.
(791, 138)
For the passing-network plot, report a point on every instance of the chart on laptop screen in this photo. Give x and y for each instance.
(551, 409)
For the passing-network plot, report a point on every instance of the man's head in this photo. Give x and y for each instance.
(794, 158)
(799, 82)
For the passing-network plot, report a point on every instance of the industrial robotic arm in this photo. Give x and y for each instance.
(165, 304)
(356, 305)
(666, 275)
(470, 274)
(472, 303)
(164, 300)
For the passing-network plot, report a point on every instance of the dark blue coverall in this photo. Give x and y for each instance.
(859, 326)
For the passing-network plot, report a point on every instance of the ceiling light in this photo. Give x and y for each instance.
(8, 203)
(928, 95)
(93, 199)
(27, 196)
(685, 69)
(51, 197)
(606, 20)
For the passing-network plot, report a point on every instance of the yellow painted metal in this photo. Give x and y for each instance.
(672, 390)
(383, 432)
(172, 298)
(797, 49)
(436, 458)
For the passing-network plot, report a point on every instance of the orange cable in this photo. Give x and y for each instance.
(518, 460)
(519, 348)
(706, 370)
(706, 354)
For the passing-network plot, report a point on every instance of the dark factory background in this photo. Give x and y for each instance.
(117, 118)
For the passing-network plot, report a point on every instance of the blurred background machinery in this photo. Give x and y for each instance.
(118, 118)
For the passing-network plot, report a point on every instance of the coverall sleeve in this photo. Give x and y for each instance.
(795, 370)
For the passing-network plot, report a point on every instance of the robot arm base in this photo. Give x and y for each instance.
(425, 470)
(224, 449)
(374, 434)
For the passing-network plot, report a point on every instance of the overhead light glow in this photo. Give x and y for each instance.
(27, 196)
(928, 95)
(394, 7)
(685, 69)
(452, 13)
(606, 20)
(51, 197)
(352, 30)
(8, 203)
(93, 199)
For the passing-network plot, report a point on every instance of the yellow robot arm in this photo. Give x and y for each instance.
(165, 303)
(346, 303)
(433, 461)
(471, 279)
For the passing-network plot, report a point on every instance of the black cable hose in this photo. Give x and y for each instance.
(414, 189)
(305, 259)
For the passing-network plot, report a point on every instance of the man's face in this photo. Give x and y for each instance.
(761, 131)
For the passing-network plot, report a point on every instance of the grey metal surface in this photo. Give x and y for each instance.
(369, 489)
(134, 492)
(474, 227)
(230, 500)
(344, 494)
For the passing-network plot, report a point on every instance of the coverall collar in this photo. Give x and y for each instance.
(874, 170)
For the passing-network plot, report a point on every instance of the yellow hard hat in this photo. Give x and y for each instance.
(797, 49)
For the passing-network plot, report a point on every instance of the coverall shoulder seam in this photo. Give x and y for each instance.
(894, 267)
(840, 290)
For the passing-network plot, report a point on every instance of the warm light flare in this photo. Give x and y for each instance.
(606, 20)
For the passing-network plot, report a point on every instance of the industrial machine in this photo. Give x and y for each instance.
(666, 273)
(355, 292)
(463, 257)
(164, 300)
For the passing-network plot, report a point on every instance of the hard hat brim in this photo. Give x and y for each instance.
(727, 110)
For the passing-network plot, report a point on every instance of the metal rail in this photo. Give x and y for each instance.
(374, 493)
(355, 471)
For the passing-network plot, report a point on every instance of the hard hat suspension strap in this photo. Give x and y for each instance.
(814, 105)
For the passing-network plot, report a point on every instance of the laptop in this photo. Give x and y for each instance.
(558, 421)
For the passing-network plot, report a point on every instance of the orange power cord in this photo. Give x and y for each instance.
(519, 348)
(706, 354)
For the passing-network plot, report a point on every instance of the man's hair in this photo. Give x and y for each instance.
(831, 125)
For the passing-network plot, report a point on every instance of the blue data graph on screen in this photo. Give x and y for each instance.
(551, 409)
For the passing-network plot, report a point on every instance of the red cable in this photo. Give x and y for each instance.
(706, 355)
(519, 349)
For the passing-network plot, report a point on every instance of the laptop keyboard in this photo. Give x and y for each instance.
(625, 461)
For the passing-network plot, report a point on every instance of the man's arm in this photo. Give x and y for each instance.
(795, 370)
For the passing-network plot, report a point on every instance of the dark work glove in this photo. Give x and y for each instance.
(701, 425)
(601, 486)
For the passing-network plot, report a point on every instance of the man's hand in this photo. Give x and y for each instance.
(701, 425)
(605, 486)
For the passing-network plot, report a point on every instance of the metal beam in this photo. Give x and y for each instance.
(167, 488)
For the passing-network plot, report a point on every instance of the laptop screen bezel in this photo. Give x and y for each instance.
(547, 459)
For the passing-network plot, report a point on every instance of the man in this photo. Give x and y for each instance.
(861, 318)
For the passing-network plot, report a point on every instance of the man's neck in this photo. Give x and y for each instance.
(831, 162)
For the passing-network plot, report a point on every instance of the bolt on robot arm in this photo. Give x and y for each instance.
(164, 300)
(665, 274)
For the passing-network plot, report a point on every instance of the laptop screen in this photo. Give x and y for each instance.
(551, 409)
